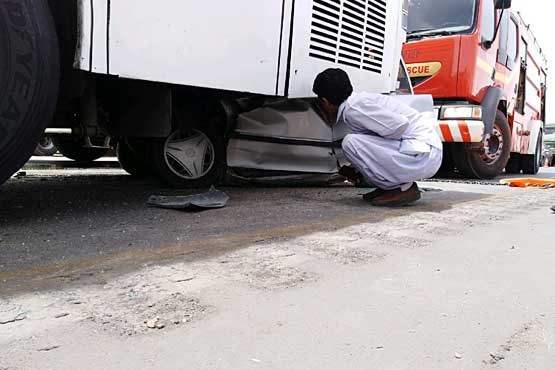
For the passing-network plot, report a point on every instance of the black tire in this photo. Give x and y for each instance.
(164, 165)
(531, 163)
(72, 148)
(513, 166)
(45, 147)
(132, 160)
(29, 79)
(489, 161)
(447, 168)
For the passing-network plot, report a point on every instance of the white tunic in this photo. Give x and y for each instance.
(389, 142)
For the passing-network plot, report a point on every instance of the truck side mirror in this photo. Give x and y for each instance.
(502, 4)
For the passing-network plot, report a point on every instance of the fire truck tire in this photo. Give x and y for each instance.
(29, 79)
(490, 162)
(189, 158)
(131, 158)
(72, 148)
(531, 163)
(513, 166)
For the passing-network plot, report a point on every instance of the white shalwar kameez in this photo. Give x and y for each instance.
(389, 143)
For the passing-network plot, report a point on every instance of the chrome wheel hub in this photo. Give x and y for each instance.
(493, 146)
(190, 155)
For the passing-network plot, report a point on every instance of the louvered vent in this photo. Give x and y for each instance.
(349, 32)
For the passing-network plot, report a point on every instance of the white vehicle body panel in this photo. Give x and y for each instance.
(242, 45)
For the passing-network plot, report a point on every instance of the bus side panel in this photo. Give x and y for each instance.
(229, 45)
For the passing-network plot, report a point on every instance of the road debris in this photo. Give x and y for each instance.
(255, 360)
(19, 317)
(60, 315)
(458, 356)
(48, 348)
(495, 358)
(184, 280)
(155, 324)
(213, 199)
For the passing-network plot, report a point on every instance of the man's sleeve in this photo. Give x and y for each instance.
(371, 118)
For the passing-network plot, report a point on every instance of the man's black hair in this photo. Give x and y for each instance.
(334, 85)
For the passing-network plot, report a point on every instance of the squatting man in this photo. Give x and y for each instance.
(389, 144)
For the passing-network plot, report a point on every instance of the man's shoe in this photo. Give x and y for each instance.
(373, 194)
(397, 198)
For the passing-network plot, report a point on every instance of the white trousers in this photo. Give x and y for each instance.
(383, 165)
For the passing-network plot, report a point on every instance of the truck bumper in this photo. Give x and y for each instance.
(461, 131)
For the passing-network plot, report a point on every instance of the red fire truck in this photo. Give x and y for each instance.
(487, 74)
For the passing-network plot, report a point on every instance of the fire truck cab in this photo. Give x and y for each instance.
(487, 74)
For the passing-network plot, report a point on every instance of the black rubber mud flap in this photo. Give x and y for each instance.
(490, 105)
(29, 79)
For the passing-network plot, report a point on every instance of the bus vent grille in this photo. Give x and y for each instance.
(349, 32)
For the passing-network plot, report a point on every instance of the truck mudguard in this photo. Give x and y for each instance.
(536, 128)
(490, 104)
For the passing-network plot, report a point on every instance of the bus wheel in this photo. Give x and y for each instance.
(189, 158)
(29, 79)
(132, 159)
(531, 163)
(488, 161)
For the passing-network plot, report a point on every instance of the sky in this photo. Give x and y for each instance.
(537, 13)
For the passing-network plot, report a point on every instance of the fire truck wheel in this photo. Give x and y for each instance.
(531, 163)
(132, 159)
(489, 161)
(513, 166)
(72, 148)
(29, 79)
(189, 158)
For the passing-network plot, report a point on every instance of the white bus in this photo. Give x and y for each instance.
(168, 81)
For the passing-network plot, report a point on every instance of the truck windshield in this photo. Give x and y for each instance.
(428, 17)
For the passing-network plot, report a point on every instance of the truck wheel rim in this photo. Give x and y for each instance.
(493, 147)
(189, 155)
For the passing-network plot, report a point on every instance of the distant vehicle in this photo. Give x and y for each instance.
(167, 80)
(549, 142)
(487, 73)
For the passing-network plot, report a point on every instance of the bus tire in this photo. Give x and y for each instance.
(490, 161)
(132, 159)
(29, 79)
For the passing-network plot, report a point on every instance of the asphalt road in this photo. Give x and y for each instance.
(284, 278)
(58, 216)
(52, 219)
